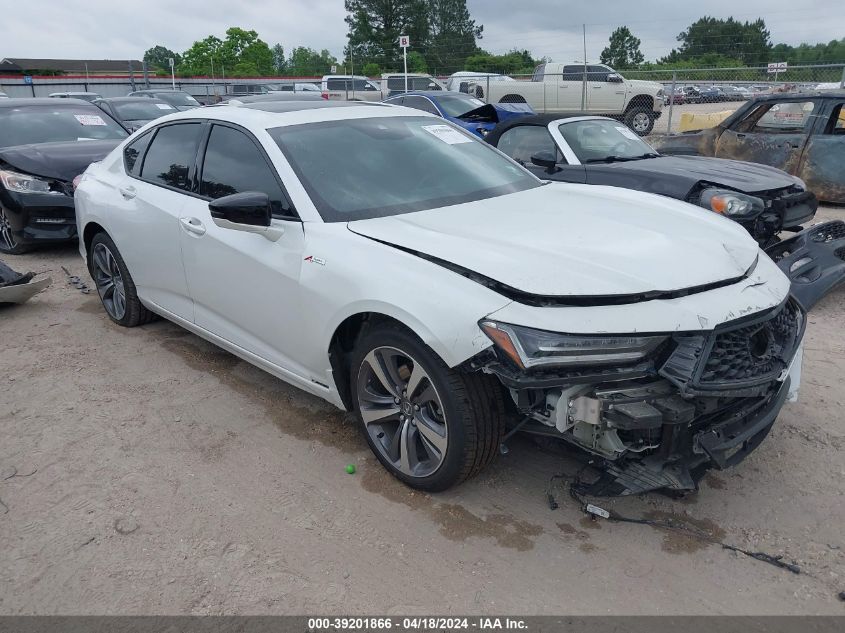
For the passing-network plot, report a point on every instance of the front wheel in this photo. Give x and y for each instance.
(430, 426)
(641, 120)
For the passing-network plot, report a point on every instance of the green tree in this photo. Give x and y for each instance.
(306, 62)
(371, 70)
(279, 61)
(515, 62)
(158, 57)
(202, 56)
(749, 42)
(246, 51)
(454, 35)
(416, 62)
(623, 51)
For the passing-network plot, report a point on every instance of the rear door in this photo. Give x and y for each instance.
(823, 163)
(159, 176)
(772, 134)
(571, 88)
(244, 286)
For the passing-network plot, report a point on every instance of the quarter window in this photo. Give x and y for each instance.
(420, 103)
(171, 154)
(233, 164)
(525, 141)
(133, 152)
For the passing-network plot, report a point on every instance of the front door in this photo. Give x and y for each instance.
(824, 157)
(604, 96)
(772, 134)
(245, 287)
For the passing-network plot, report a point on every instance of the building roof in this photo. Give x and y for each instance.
(73, 65)
(8, 67)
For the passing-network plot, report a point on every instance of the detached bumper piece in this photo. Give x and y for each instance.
(16, 287)
(814, 261)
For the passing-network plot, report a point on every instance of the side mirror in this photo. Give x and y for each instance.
(545, 159)
(250, 207)
(614, 78)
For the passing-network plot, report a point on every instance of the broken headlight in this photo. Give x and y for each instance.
(24, 183)
(530, 348)
(731, 203)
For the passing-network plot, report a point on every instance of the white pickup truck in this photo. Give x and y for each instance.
(561, 88)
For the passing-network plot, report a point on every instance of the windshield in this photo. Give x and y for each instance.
(597, 140)
(48, 124)
(456, 106)
(142, 110)
(366, 168)
(179, 99)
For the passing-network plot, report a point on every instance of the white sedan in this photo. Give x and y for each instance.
(394, 265)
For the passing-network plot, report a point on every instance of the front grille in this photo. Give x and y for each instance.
(755, 352)
(828, 232)
(743, 355)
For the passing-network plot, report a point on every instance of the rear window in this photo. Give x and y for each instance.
(50, 124)
(171, 155)
(142, 110)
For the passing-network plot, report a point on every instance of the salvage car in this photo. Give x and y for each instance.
(133, 113)
(44, 144)
(435, 287)
(601, 151)
(766, 201)
(802, 134)
(462, 109)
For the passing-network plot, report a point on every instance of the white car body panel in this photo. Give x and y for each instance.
(277, 303)
(594, 240)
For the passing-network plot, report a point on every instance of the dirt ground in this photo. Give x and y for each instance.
(146, 471)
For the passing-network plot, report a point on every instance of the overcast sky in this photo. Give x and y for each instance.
(105, 29)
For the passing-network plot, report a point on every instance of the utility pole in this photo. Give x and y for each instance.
(405, 42)
(584, 78)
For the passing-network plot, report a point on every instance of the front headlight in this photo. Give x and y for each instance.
(731, 203)
(25, 183)
(529, 348)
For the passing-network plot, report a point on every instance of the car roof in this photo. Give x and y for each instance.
(433, 93)
(271, 114)
(128, 100)
(42, 101)
(154, 91)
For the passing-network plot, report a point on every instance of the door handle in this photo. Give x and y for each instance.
(128, 192)
(193, 225)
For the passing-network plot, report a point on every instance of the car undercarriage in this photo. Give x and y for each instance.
(698, 401)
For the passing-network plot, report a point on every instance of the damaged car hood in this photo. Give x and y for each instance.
(564, 240)
(62, 161)
(677, 176)
(497, 112)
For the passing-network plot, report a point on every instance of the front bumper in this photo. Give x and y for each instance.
(704, 400)
(814, 261)
(39, 218)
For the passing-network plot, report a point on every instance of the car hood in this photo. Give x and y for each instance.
(496, 112)
(565, 240)
(62, 161)
(676, 176)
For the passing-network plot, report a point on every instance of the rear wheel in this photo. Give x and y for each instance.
(640, 119)
(430, 426)
(114, 284)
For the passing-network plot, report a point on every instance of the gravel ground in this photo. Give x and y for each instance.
(145, 471)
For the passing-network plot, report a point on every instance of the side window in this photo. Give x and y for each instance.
(525, 141)
(395, 100)
(597, 73)
(420, 103)
(335, 84)
(836, 125)
(573, 73)
(133, 152)
(233, 164)
(790, 117)
(171, 155)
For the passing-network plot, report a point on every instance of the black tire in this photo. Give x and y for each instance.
(635, 116)
(8, 243)
(472, 406)
(134, 313)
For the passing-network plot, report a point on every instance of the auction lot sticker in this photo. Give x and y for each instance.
(89, 119)
(447, 134)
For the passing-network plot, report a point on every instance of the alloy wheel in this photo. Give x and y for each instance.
(109, 281)
(7, 240)
(640, 122)
(402, 411)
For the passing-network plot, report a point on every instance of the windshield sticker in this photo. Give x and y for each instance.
(627, 133)
(447, 134)
(164, 106)
(89, 119)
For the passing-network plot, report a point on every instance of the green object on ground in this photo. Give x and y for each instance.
(351, 469)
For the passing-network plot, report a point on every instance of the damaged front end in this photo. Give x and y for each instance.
(656, 411)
